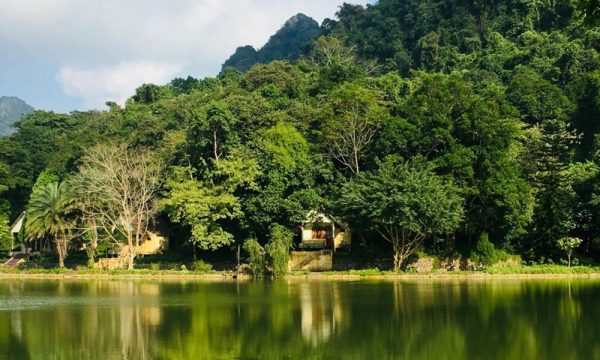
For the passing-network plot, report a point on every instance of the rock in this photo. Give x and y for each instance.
(422, 265)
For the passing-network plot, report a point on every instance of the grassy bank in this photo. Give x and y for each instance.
(520, 271)
(492, 270)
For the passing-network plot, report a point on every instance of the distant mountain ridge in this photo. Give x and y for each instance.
(11, 109)
(286, 44)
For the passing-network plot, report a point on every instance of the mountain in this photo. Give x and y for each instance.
(11, 110)
(286, 44)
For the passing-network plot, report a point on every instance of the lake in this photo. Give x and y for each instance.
(300, 319)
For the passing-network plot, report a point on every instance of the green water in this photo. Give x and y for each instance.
(497, 319)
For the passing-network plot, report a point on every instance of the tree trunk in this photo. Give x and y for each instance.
(61, 244)
(215, 147)
(398, 259)
(131, 254)
(91, 251)
(131, 259)
(569, 257)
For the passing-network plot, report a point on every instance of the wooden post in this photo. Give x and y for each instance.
(333, 235)
(238, 259)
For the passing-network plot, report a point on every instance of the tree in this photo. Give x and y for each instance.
(201, 206)
(212, 131)
(288, 183)
(355, 114)
(48, 214)
(256, 257)
(86, 221)
(205, 204)
(402, 201)
(331, 50)
(554, 195)
(278, 249)
(568, 244)
(150, 93)
(6, 237)
(124, 184)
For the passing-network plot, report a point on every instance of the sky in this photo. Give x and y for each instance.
(66, 55)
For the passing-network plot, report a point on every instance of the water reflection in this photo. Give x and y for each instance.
(321, 310)
(299, 320)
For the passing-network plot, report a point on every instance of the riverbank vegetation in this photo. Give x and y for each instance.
(456, 129)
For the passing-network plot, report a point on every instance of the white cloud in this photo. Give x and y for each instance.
(98, 85)
(74, 37)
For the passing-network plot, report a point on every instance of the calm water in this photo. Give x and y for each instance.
(496, 319)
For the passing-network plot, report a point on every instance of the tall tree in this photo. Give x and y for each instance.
(403, 202)
(48, 214)
(354, 115)
(553, 213)
(125, 184)
(211, 133)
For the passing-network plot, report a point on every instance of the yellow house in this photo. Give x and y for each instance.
(320, 236)
(321, 231)
(153, 242)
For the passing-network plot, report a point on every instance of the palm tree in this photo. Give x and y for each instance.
(48, 215)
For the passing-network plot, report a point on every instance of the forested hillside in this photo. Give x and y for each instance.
(11, 110)
(441, 126)
(287, 43)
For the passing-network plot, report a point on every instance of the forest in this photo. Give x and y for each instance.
(446, 127)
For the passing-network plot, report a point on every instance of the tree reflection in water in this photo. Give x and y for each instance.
(107, 319)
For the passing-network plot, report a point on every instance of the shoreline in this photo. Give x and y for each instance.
(226, 276)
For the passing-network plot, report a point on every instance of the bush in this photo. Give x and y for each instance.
(256, 257)
(201, 266)
(485, 254)
(155, 266)
(278, 249)
(5, 235)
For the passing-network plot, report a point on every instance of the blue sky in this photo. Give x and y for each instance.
(66, 55)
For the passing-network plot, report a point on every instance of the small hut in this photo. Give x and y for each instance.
(28, 246)
(320, 236)
(321, 231)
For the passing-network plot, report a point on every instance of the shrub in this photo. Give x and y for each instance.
(485, 254)
(278, 249)
(5, 235)
(201, 266)
(256, 257)
(155, 266)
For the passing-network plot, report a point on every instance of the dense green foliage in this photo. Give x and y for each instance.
(256, 257)
(403, 203)
(278, 249)
(446, 119)
(5, 235)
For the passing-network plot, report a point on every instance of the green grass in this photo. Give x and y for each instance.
(541, 269)
(102, 272)
(361, 272)
(499, 269)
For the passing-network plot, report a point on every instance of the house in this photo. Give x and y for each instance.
(28, 246)
(154, 241)
(321, 231)
(320, 236)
